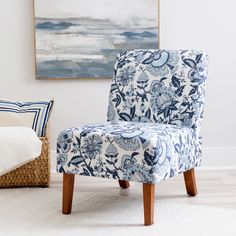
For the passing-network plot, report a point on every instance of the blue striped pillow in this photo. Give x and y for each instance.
(29, 114)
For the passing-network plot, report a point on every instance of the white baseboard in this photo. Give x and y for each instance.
(53, 161)
(219, 157)
(213, 158)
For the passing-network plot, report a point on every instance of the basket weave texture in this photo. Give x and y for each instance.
(33, 174)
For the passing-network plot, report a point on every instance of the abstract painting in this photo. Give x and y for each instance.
(81, 38)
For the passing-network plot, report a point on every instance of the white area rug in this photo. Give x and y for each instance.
(37, 212)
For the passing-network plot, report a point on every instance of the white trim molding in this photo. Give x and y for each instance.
(219, 157)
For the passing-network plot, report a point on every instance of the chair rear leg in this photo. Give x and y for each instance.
(124, 184)
(190, 182)
(148, 203)
(67, 195)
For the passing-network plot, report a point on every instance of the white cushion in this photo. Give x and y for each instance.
(18, 145)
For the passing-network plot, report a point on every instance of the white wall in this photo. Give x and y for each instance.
(209, 25)
(185, 24)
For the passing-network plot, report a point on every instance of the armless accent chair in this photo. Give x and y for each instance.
(153, 129)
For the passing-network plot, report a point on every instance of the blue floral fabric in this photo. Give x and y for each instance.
(154, 119)
(143, 152)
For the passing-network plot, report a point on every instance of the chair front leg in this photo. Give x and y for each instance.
(148, 203)
(67, 195)
(190, 182)
(124, 184)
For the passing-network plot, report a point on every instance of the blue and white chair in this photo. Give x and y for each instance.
(153, 130)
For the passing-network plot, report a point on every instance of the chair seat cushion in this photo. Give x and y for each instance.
(134, 151)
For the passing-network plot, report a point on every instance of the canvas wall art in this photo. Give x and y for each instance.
(81, 38)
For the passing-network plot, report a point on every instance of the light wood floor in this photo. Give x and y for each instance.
(215, 188)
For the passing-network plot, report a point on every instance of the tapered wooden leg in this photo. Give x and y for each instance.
(124, 184)
(148, 203)
(68, 188)
(190, 182)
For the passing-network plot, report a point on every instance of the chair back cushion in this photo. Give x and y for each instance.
(164, 86)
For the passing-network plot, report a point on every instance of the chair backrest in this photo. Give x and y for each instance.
(163, 86)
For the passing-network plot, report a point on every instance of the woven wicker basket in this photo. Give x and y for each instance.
(33, 174)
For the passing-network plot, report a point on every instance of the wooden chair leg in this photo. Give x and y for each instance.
(148, 203)
(124, 184)
(190, 182)
(67, 195)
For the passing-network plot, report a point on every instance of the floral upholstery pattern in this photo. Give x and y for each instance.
(144, 152)
(154, 119)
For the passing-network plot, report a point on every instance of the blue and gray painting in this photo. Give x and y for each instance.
(86, 47)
